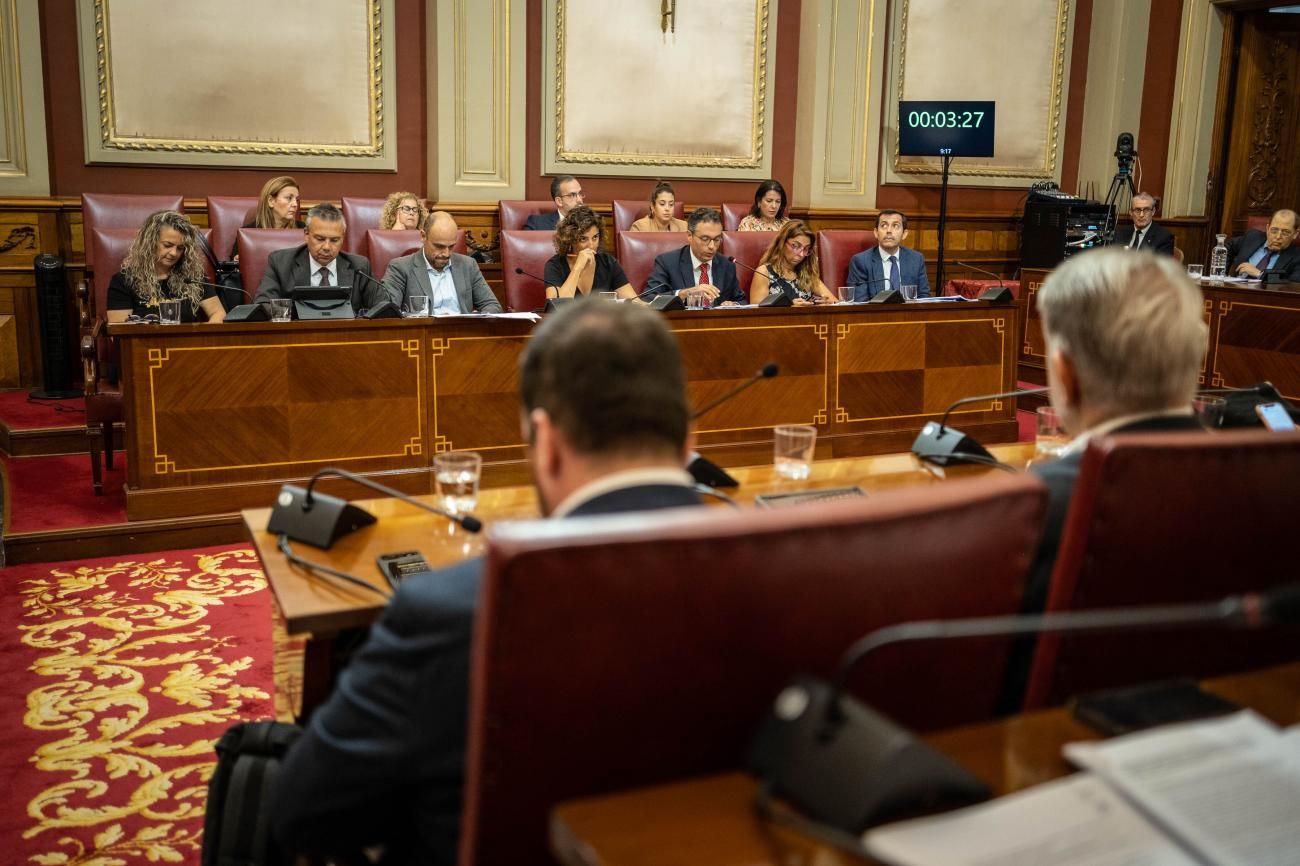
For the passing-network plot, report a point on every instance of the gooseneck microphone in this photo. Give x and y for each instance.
(773, 299)
(770, 369)
(941, 445)
(703, 470)
(545, 286)
(217, 286)
(311, 498)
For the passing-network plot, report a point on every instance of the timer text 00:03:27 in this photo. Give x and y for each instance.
(945, 119)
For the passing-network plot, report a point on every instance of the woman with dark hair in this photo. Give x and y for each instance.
(164, 262)
(580, 266)
(663, 201)
(768, 212)
(790, 266)
(402, 210)
(276, 209)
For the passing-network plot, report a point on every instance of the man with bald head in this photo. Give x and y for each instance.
(452, 282)
(1257, 251)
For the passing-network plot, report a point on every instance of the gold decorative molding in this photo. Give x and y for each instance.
(24, 168)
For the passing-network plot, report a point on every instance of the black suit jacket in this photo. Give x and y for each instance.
(545, 222)
(1242, 248)
(1157, 238)
(673, 272)
(286, 269)
(382, 762)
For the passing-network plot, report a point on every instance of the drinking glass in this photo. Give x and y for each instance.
(417, 306)
(169, 311)
(281, 309)
(845, 294)
(1208, 409)
(909, 292)
(792, 450)
(456, 475)
(696, 301)
(1196, 271)
(1050, 437)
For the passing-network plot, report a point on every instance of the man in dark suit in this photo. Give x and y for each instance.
(1145, 234)
(1256, 251)
(452, 282)
(567, 194)
(696, 270)
(890, 265)
(320, 262)
(381, 763)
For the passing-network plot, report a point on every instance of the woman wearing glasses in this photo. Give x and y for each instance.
(402, 210)
(580, 266)
(161, 264)
(276, 209)
(790, 266)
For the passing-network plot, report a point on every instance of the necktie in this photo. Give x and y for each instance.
(893, 273)
(1137, 238)
(324, 276)
(704, 274)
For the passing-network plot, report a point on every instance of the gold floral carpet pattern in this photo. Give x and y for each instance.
(118, 677)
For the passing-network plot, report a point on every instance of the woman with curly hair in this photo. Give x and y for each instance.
(402, 210)
(277, 208)
(768, 212)
(790, 266)
(580, 266)
(163, 259)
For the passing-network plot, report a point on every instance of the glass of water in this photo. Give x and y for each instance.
(1050, 437)
(1196, 271)
(792, 450)
(169, 311)
(909, 292)
(455, 476)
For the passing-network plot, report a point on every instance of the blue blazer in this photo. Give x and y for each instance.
(383, 760)
(867, 274)
(545, 222)
(672, 273)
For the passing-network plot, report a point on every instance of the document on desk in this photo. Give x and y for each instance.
(1076, 821)
(1229, 788)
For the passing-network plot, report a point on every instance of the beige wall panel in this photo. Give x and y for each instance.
(1191, 138)
(24, 166)
(1013, 52)
(1117, 48)
(248, 82)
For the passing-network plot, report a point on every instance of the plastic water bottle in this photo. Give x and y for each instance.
(1219, 258)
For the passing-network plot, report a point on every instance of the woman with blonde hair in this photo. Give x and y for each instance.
(164, 262)
(663, 201)
(790, 266)
(580, 266)
(402, 210)
(277, 208)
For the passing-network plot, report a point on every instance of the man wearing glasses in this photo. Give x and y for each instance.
(452, 282)
(1144, 233)
(696, 271)
(1257, 251)
(567, 193)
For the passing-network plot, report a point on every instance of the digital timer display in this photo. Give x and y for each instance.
(930, 128)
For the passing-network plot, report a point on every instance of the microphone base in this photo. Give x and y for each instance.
(327, 520)
(248, 313)
(887, 296)
(856, 772)
(709, 473)
(944, 446)
(667, 303)
(384, 310)
(554, 304)
(997, 295)
(776, 299)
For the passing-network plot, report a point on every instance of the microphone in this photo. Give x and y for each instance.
(999, 295)
(705, 471)
(845, 765)
(548, 306)
(943, 445)
(385, 309)
(320, 520)
(217, 286)
(773, 299)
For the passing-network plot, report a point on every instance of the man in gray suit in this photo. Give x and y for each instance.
(320, 263)
(452, 282)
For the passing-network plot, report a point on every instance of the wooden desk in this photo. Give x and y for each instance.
(711, 820)
(323, 608)
(218, 417)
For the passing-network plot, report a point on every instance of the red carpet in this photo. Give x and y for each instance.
(20, 413)
(1028, 422)
(118, 675)
(55, 493)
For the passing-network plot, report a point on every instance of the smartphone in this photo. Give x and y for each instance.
(396, 566)
(1275, 416)
(1146, 706)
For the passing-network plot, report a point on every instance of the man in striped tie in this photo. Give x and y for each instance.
(1257, 251)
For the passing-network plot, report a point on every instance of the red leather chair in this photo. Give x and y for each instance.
(733, 212)
(108, 211)
(637, 252)
(387, 244)
(99, 352)
(628, 211)
(360, 215)
(226, 215)
(528, 250)
(513, 213)
(1261, 222)
(748, 248)
(835, 249)
(601, 660)
(255, 245)
(1167, 519)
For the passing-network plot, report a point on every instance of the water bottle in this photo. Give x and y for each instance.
(1219, 258)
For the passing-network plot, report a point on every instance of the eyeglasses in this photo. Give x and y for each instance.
(1279, 232)
(708, 241)
(408, 208)
(1144, 210)
(796, 247)
(577, 194)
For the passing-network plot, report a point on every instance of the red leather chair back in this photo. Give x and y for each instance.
(733, 212)
(1261, 222)
(637, 252)
(513, 213)
(255, 245)
(616, 652)
(628, 211)
(748, 248)
(387, 244)
(528, 250)
(110, 211)
(360, 215)
(835, 248)
(110, 246)
(226, 215)
(1167, 518)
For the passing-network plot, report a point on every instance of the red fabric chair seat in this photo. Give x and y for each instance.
(527, 250)
(733, 212)
(360, 215)
(227, 214)
(255, 245)
(513, 213)
(836, 248)
(748, 248)
(637, 252)
(107, 210)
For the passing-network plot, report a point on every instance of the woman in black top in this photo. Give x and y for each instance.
(276, 209)
(162, 261)
(580, 266)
